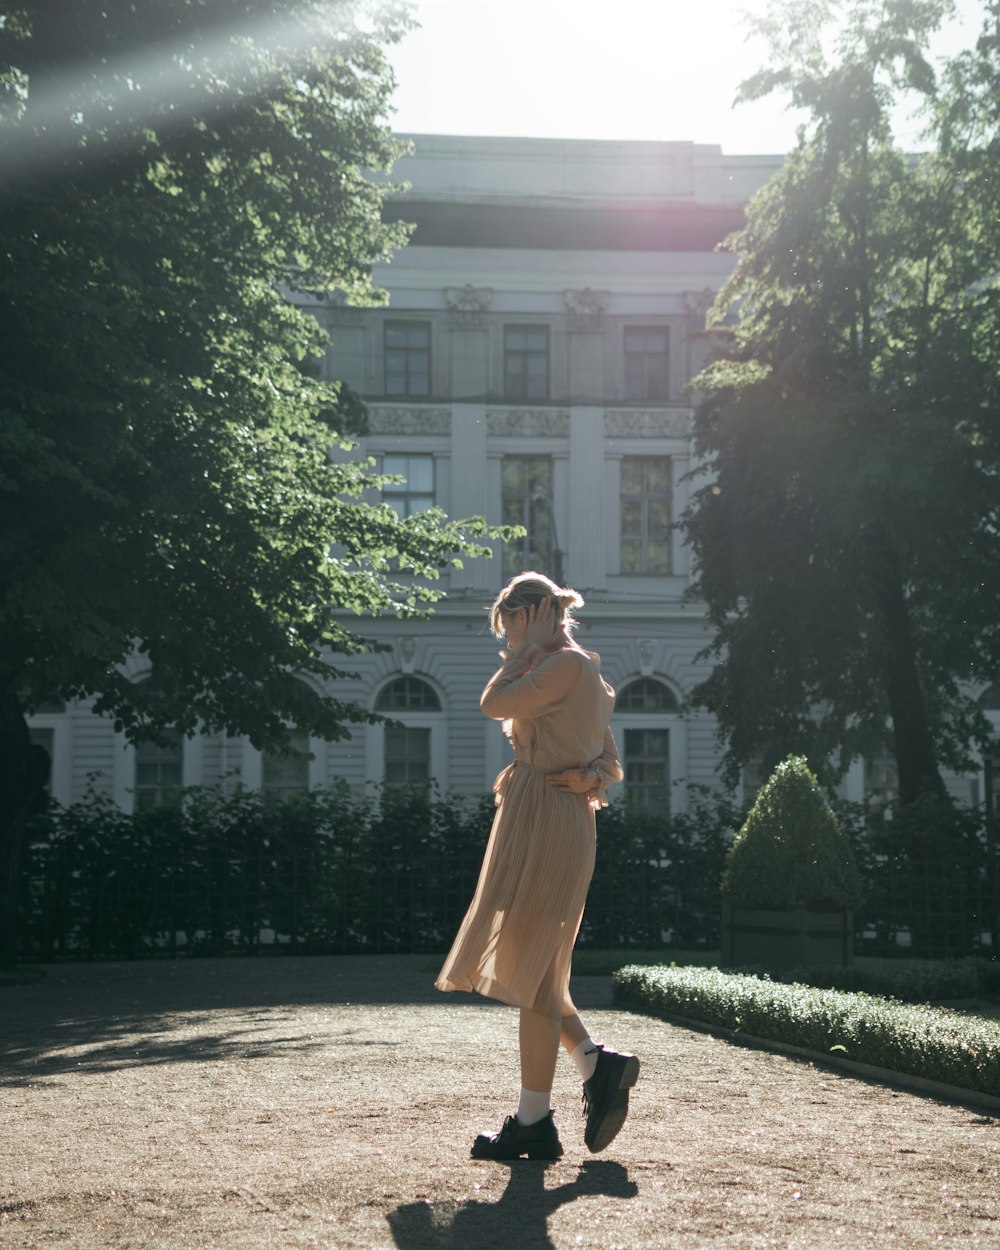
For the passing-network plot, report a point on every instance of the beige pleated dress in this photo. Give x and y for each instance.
(516, 941)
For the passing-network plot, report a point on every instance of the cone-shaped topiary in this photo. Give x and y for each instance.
(791, 851)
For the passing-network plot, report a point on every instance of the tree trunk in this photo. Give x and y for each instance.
(22, 784)
(916, 761)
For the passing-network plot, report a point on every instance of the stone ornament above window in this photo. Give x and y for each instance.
(527, 423)
(654, 423)
(411, 421)
(586, 308)
(340, 313)
(697, 304)
(468, 304)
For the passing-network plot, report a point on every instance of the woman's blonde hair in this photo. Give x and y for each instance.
(528, 590)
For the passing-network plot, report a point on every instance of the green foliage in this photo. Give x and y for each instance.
(792, 850)
(843, 530)
(927, 1042)
(910, 980)
(330, 870)
(656, 875)
(182, 186)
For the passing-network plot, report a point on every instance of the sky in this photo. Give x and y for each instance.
(614, 69)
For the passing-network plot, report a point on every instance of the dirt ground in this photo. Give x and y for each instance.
(330, 1102)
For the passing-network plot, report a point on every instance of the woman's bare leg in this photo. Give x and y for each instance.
(539, 1037)
(572, 1032)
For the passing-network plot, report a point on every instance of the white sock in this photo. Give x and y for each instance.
(584, 1058)
(534, 1106)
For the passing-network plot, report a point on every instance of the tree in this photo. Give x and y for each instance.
(845, 529)
(181, 183)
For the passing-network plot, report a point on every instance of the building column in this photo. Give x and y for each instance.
(469, 483)
(585, 542)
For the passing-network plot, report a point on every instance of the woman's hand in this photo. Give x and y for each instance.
(542, 624)
(575, 781)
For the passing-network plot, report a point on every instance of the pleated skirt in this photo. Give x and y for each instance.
(516, 941)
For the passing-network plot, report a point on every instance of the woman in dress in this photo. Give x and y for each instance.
(516, 941)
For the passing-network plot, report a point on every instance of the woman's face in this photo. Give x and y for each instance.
(515, 623)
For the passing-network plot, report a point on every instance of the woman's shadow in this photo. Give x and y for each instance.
(518, 1220)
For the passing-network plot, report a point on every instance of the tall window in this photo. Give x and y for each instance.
(416, 492)
(408, 358)
(647, 363)
(407, 747)
(645, 515)
(282, 776)
(646, 747)
(526, 362)
(647, 769)
(159, 773)
(527, 500)
(46, 739)
(881, 780)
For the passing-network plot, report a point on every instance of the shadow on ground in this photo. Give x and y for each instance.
(518, 1220)
(106, 1017)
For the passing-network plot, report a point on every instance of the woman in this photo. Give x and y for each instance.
(516, 941)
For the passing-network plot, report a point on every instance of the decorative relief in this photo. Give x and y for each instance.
(468, 304)
(527, 423)
(344, 315)
(647, 653)
(697, 304)
(658, 423)
(340, 313)
(586, 308)
(409, 421)
(407, 654)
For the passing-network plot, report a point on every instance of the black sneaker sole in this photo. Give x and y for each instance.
(541, 1151)
(617, 1112)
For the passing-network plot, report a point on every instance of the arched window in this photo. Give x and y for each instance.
(646, 695)
(159, 772)
(159, 768)
(651, 744)
(408, 694)
(408, 749)
(282, 776)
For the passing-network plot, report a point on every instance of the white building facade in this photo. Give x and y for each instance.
(531, 366)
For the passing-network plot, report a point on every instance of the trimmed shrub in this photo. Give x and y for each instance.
(922, 1041)
(791, 850)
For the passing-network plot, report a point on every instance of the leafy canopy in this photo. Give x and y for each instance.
(845, 530)
(183, 185)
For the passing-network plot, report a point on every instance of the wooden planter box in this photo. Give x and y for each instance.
(782, 939)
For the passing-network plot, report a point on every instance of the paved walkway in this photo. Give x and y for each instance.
(330, 1102)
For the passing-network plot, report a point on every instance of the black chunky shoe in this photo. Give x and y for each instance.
(605, 1097)
(537, 1141)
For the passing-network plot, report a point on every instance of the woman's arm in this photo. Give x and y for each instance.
(608, 765)
(530, 683)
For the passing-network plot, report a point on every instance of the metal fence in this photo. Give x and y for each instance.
(394, 872)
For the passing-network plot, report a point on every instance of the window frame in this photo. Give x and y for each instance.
(434, 719)
(646, 500)
(408, 353)
(530, 555)
(403, 492)
(643, 391)
(670, 719)
(523, 391)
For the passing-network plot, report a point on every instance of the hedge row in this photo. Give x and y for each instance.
(911, 980)
(928, 1042)
(335, 871)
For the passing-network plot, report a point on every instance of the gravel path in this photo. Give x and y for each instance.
(271, 1104)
